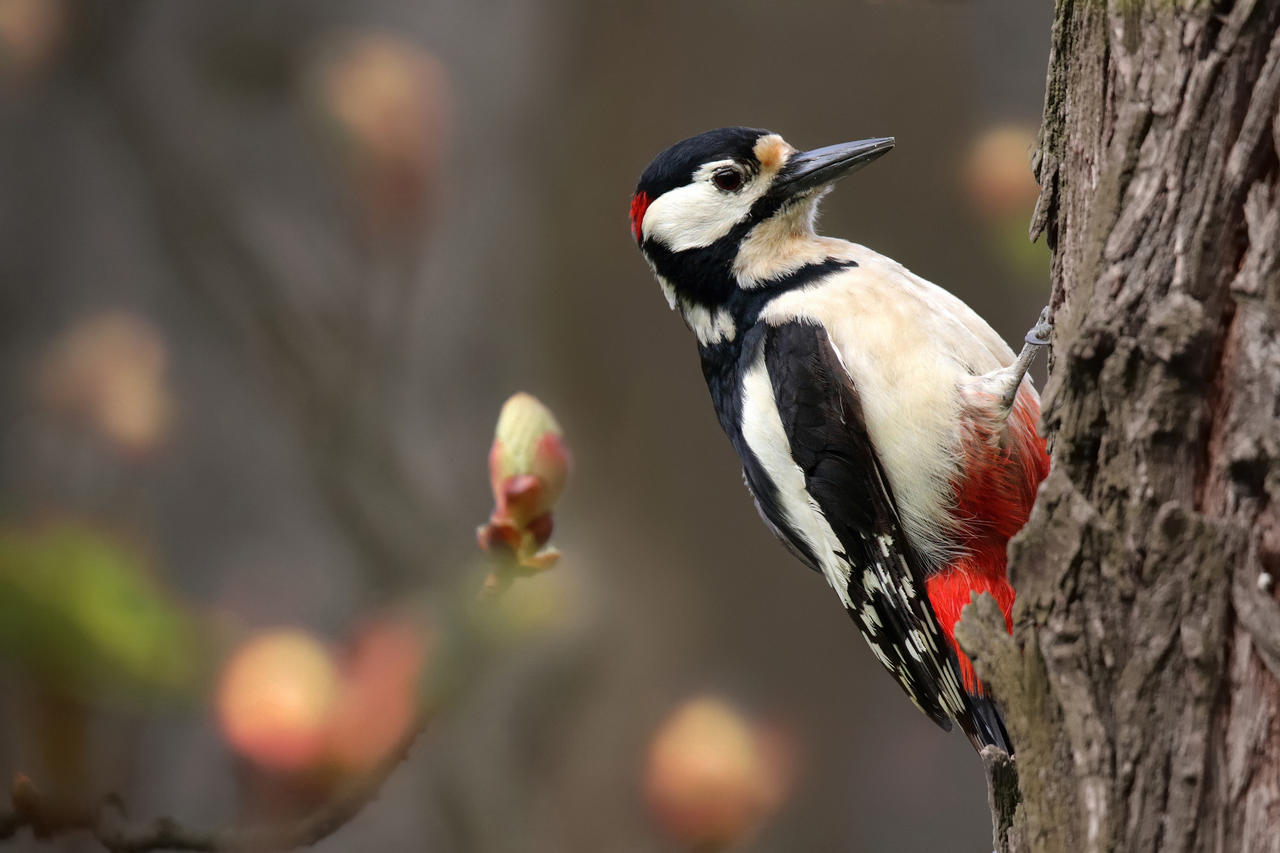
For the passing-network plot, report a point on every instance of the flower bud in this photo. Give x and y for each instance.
(31, 32)
(386, 101)
(275, 698)
(529, 465)
(111, 370)
(997, 172)
(713, 776)
(379, 698)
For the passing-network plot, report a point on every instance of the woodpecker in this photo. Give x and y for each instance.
(886, 432)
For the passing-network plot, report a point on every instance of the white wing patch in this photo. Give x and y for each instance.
(907, 345)
(764, 434)
(885, 580)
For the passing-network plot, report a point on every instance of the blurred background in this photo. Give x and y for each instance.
(268, 271)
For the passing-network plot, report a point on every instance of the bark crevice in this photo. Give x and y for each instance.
(1141, 681)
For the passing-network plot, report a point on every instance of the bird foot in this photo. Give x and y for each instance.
(1040, 332)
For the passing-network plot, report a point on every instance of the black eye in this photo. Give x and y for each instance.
(727, 179)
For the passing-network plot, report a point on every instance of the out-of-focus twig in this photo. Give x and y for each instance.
(110, 826)
(338, 361)
(47, 816)
(528, 449)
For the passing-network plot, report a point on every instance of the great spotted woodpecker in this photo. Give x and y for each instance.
(886, 432)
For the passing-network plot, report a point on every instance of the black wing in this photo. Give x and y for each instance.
(823, 420)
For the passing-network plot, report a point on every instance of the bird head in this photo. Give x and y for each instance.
(715, 214)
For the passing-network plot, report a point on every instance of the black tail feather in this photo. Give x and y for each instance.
(983, 724)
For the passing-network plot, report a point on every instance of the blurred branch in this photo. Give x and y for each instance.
(108, 822)
(338, 363)
(529, 465)
(338, 354)
(111, 827)
(349, 439)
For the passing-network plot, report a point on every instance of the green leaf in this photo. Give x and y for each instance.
(79, 611)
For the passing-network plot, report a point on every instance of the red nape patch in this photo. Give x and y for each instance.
(639, 204)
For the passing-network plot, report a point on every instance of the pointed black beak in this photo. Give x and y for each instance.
(810, 170)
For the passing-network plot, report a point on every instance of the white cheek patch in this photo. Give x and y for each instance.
(694, 216)
(698, 214)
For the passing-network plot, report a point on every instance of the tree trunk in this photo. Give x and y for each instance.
(1142, 683)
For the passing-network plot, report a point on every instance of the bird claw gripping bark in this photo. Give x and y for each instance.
(1040, 332)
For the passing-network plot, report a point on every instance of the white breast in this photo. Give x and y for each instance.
(907, 344)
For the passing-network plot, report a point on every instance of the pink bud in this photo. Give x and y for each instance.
(523, 425)
(713, 776)
(529, 465)
(522, 498)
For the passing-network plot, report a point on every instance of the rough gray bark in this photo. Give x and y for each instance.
(1143, 679)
